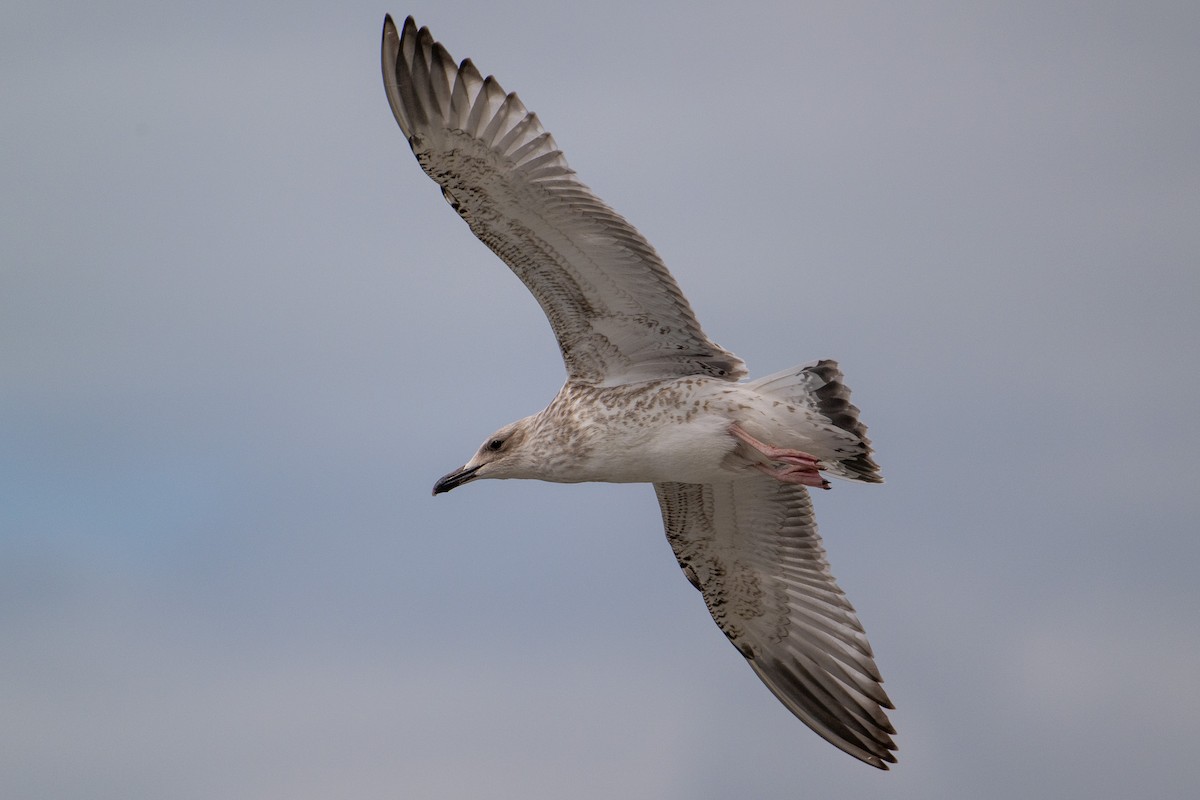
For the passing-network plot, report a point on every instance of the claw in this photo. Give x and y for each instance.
(797, 475)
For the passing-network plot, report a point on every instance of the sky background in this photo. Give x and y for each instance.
(241, 335)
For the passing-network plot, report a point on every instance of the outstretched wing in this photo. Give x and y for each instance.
(618, 314)
(751, 548)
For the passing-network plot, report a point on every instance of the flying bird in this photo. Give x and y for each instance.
(649, 398)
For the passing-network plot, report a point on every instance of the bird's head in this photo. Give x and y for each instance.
(502, 455)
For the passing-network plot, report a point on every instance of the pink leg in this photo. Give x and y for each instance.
(798, 467)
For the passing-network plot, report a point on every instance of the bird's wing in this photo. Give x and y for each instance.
(751, 548)
(618, 314)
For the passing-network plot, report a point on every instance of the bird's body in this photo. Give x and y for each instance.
(676, 429)
(657, 430)
(649, 398)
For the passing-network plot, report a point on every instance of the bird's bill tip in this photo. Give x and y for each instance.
(456, 478)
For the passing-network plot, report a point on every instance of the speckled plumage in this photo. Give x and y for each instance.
(650, 398)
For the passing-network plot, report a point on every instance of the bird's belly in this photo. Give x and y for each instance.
(691, 452)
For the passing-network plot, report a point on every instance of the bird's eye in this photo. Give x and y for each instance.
(495, 444)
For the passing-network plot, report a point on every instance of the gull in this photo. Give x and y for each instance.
(649, 398)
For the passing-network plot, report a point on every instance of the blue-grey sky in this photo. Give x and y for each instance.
(241, 335)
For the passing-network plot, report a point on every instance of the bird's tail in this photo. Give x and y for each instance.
(818, 387)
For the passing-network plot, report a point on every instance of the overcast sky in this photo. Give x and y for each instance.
(241, 335)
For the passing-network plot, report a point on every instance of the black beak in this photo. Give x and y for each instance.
(456, 478)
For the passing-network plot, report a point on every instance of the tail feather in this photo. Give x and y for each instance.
(819, 386)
